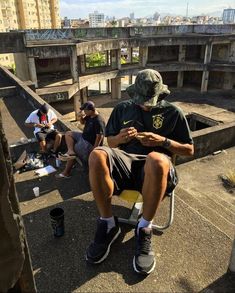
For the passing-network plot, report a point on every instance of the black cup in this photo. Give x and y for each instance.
(57, 221)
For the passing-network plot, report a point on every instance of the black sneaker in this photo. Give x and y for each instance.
(99, 249)
(144, 260)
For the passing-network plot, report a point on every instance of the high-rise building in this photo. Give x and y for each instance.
(132, 16)
(229, 15)
(27, 14)
(96, 19)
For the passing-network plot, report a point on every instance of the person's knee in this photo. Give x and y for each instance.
(157, 163)
(97, 159)
(68, 133)
(59, 135)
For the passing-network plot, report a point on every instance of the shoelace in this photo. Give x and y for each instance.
(144, 244)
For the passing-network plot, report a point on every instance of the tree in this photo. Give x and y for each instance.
(95, 60)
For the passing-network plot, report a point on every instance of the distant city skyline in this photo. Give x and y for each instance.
(142, 8)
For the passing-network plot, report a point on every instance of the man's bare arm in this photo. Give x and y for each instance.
(98, 140)
(34, 125)
(124, 136)
(151, 139)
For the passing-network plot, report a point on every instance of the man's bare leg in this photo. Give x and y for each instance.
(42, 145)
(68, 167)
(69, 142)
(102, 186)
(155, 182)
(101, 183)
(57, 142)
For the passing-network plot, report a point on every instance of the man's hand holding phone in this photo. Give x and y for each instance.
(150, 139)
(127, 134)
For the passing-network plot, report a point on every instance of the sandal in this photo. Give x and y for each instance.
(66, 157)
(62, 176)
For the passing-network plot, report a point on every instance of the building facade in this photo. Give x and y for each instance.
(229, 15)
(96, 19)
(27, 14)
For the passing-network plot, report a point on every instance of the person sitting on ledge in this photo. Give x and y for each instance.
(80, 144)
(143, 133)
(43, 120)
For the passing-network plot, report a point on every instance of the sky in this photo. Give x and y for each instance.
(142, 8)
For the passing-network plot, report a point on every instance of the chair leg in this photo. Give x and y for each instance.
(137, 210)
(171, 215)
(135, 213)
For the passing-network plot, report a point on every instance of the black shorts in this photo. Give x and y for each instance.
(127, 170)
(46, 135)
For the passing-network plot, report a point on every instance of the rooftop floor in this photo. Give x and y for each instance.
(192, 255)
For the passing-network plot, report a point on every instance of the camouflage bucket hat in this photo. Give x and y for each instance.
(147, 88)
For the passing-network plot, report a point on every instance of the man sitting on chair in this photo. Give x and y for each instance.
(143, 133)
(80, 144)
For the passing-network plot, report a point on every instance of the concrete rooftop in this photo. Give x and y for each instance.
(192, 255)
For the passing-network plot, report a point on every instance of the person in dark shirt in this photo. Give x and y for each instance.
(143, 134)
(80, 144)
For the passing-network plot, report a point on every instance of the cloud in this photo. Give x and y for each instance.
(141, 8)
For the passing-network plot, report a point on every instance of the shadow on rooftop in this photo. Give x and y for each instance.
(225, 283)
(59, 263)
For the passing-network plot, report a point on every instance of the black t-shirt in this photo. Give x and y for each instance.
(93, 126)
(165, 119)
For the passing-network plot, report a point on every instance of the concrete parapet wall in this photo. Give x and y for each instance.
(7, 91)
(33, 99)
(211, 139)
(120, 32)
(12, 42)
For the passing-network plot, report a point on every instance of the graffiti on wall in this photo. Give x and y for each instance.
(50, 34)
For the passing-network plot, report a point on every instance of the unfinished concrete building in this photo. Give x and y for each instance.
(194, 255)
(199, 57)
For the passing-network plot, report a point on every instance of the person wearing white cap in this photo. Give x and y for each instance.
(43, 120)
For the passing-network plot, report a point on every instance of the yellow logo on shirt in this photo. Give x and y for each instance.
(158, 121)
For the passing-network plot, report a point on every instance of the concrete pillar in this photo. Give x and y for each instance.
(22, 70)
(129, 55)
(115, 59)
(204, 84)
(79, 98)
(228, 81)
(116, 88)
(232, 53)
(74, 64)
(77, 104)
(143, 56)
(182, 53)
(83, 96)
(205, 74)
(130, 60)
(181, 58)
(107, 58)
(100, 87)
(87, 91)
(82, 64)
(32, 71)
(180, 79)
(107, 86)
(208, 53)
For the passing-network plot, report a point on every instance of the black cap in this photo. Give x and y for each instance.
(44, 108)
(89, 105)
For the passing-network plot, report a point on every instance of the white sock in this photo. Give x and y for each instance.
(144, 224)
(110, 221)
